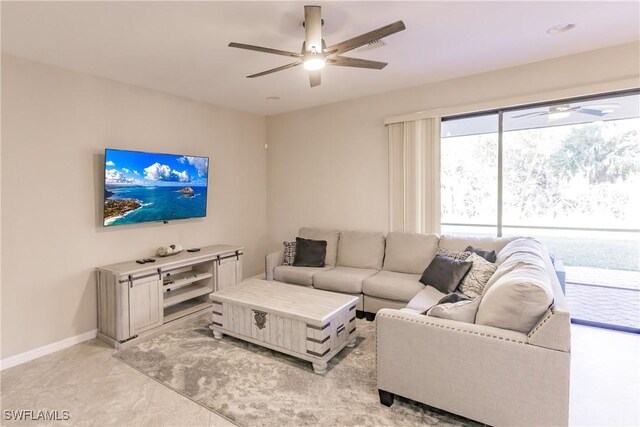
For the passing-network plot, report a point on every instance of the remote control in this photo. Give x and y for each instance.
(149, 260)
(141, 261)
(193, 250)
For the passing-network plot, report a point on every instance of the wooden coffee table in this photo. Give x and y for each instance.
(303, 322)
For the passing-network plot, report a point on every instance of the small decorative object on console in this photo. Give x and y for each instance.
(169, 250)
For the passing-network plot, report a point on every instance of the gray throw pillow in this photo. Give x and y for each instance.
(445, 274)
(475, 281)
(289, 253)
(310, 253)
(488, 255)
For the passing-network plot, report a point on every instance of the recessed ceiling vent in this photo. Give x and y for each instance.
(370, 46)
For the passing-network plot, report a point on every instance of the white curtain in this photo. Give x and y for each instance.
(414, 176)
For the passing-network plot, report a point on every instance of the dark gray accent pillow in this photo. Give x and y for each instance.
(488, 255)
(445, 274)
(452, 298)
(310, 253)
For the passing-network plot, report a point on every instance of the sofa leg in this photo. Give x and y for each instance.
(360, 314)
(370, 316)
(386, 398)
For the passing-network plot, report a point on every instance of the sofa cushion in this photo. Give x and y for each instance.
(361, 249)
(460, 243)
(517, 300)
(461, 311)
(409, 253)
(393, 286)
(330, 236)
(347, 280)
(445, 274)
(297, 275)
(310, 253)
(477, 278)
(425, 299)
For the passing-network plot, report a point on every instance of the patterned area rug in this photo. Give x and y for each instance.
(251, 385)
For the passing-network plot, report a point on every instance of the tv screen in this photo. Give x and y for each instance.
(144, 187)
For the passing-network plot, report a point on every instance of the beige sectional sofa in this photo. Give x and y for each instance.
(383, 271)
(509, 367)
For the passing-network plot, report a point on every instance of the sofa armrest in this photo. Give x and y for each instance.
(484, 373)
(271, 261)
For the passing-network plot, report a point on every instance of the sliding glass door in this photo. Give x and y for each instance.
(567, 173)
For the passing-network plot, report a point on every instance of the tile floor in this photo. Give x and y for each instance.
(98, 390)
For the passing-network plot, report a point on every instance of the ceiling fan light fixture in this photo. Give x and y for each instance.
(557, 115)
(314, 62)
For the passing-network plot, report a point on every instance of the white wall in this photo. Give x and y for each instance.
(327, 166)
(55, 126)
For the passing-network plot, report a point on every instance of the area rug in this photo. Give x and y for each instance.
(254, 386)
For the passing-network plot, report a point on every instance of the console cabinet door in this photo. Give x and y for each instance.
(145, 304)
(228, 272)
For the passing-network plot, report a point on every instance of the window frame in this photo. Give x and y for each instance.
(500, 113)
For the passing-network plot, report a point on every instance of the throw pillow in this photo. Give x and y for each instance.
(461, 311)
(289, 253)
(445, 274)
(488, 255)
(310, 253)
(453, 254)
(478, 277)
(453, 297)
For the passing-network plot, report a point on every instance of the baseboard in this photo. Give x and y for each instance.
(47, 349)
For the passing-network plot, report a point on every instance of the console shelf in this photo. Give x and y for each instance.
(185, 293)
(141, 300)
(171, 283)
(185, 308)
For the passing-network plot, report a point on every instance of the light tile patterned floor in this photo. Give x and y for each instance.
(99, 390)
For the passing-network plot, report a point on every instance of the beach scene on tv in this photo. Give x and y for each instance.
(144, 187)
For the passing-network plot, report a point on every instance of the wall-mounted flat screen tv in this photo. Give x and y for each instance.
(145, 187)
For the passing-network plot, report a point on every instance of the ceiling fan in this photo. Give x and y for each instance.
(315, 55)
(557, 112)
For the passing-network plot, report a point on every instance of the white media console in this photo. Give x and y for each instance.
(136, 301)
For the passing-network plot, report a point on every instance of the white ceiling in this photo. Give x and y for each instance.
(181, 47)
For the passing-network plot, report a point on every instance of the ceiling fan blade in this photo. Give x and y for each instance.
(356, 62)
(363, 39)
(265, 50)
(591, 111)
(314, 78)
(539, 113)
(312, 29)
(273, 70)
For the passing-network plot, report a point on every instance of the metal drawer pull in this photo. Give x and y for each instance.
(340, 330)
